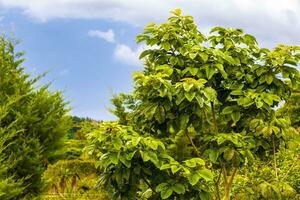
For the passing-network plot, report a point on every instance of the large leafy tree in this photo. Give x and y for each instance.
(202, 109)
(33, 122)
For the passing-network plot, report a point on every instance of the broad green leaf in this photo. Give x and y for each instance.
(166, 45)
(203, 56)
(206, 174)
(190, 163)
(235, 116)
(213, 155)
(145, 53)
(166, 193)
(187, 86)
(184, 121)
(193, 55)
(228, 154)
(237, 92)
(193, 178)
(178, 188)
(114, 158)
(190, 96)
(245, 101)
(161, 187)
(194, 71)
(210, 71)
(117, 142)
(210, 94)
(165, 166)
(259, 104)
(267, 99)
(229, 109)
(221, 69)
(144, 156)
(135, 141)
(180, 98)
(125, 161)
(175, 169)
(269, 79)
(199, 100)
(205, 195)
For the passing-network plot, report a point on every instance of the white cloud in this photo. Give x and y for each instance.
(127, 55)
(109, 35)
(272, 21)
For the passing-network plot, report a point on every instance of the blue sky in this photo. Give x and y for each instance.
(88, 46)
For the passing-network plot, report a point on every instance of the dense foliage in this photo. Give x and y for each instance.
(75, 175)
(211, 117)
(33, 124)
(202, 110)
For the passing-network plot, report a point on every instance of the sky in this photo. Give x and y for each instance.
(88, 48)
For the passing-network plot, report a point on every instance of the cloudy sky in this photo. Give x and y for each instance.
(88, 46)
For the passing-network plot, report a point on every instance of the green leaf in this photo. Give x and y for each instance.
(166, 193)
(184, 121)
(114, 158)
(237, 92)
(221, 70)
(193, 178)
(213, 155)
(206, 174)
(165, 166)
(178, 188)
(161, 187)
(205, 195)
(190, 163)
(135, 141)
(235, 116)
(268, 99)
(180, 98)
(229, 109)
(176, 12)
(259, 104)
(200, 100)
(203, 56)
(117, 142)
(194, 161)
(187, 86)
(194, 71)
(245, 101)
(210, 71)
(228, 154)
(125, 161)
(145, 53)
(166, 45)
(210, 94)
(269, 79)
(190, 96)
(175, 169)
(192, 55)
(144, 156)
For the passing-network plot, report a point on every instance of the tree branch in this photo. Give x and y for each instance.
(274, 157)
(192, 143)
(214, 117)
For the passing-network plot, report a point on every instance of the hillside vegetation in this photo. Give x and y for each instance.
(212, 116)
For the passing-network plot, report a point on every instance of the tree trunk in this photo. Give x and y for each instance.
(227, 191)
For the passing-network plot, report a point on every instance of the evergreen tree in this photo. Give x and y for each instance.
(34, 118)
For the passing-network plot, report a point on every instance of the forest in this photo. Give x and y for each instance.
(212, 116)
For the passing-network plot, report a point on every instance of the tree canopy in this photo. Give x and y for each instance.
(202, 109)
